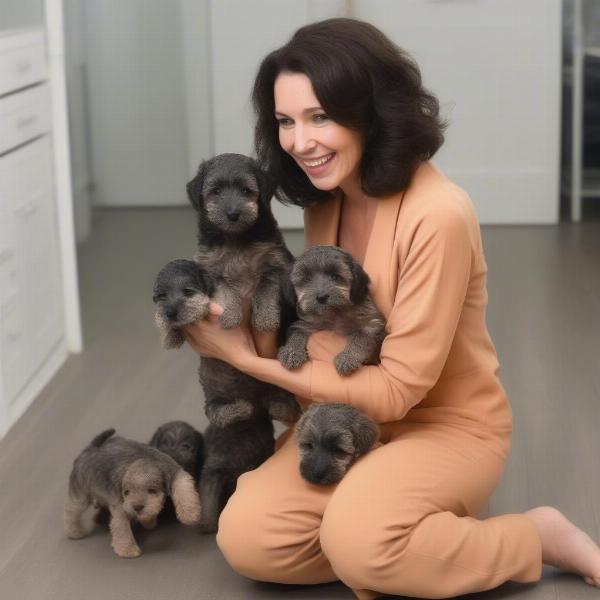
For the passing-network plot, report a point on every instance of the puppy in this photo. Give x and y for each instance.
(183, 443)
(241, 247)
(182, 292)
(330, 438)
(132, 480)
(331, 292)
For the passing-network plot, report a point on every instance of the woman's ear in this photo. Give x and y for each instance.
(360, 284)
(194, 187)
(185, 498)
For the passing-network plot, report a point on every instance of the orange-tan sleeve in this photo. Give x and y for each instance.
(432, 287)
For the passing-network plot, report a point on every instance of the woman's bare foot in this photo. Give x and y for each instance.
(565, 546)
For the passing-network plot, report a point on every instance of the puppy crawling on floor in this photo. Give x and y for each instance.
(331, 437)
(331, 292)
(132, 480)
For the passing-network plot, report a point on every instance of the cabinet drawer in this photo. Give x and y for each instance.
(22, 60)
(23, 116)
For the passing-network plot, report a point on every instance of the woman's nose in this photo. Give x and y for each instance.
(303, 140)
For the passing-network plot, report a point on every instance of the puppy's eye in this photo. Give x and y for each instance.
(186, 446)
(307, 446)
(188, 292)
(335, 277)
(159, 297)
(339, 453)
(247, 191)
(152, 491)
(216, 191)
(126, 493)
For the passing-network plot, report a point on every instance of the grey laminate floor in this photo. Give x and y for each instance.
(544, 287)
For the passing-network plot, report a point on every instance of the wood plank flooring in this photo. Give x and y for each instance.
(544, 316)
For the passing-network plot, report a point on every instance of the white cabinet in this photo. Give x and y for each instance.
(33, 340)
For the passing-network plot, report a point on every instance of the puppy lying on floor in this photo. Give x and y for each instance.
(331, 292)
(132, 480)
(331, 437)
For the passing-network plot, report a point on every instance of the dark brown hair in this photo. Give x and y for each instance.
(364, 82)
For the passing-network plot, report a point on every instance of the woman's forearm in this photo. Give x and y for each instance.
(271, 371)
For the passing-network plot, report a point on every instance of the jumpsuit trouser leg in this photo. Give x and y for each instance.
(402, 521)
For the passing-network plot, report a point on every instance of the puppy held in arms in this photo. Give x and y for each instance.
(331, 291)
(331, 437)
(132, 480)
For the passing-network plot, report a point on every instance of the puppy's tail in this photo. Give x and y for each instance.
(101, 438)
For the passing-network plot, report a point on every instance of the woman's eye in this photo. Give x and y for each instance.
(285, 122)
(188, 292)
(320, 118)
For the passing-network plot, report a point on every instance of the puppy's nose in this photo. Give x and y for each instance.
(171, 313)
(233, 215)
(138, 507)
(322, 298)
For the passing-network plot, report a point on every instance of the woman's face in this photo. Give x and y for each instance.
(326, 151)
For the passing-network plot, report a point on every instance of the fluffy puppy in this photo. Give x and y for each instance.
(241, 247)
(183, 443)
(330, 438)
(132, 480)
(182, 293)
(331, 291)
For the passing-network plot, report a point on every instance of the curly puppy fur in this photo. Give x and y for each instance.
(132, 480)
(182, 293)
(331, 291)
(241, 247)
(330, 438)
(183, 443)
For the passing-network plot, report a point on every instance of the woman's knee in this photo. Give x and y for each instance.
(260, 541)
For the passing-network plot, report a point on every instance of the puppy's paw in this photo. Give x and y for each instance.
(286, 410)
(230, 318)
(346, 363)
(75, 532)
(126, 550)
(292, 357)
(222, 414)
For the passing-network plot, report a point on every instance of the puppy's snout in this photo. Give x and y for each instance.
(171, 313)
(322, 298)
(233, 215)
(138, 508)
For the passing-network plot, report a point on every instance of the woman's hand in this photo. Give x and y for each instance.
(209, 339)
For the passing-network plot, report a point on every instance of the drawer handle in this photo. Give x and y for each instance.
(23, 122)
(23, 66)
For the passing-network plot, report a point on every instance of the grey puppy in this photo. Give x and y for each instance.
(241, 247)
(182, 293)
(183, 443)
(132, 480)
(332, 292)
(330, 438)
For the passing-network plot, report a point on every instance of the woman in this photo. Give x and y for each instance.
(346, 126)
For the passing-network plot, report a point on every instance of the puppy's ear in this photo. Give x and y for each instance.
(366, 433)
(194, 187)
(360, 284)
(267, 186)
(155, 441)
(185, 498)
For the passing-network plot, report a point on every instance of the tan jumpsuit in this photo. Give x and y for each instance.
(402, 521)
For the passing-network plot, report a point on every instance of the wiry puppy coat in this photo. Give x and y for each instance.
(182, 292)
(331, 291)
(241, 247)
(330, 438)
(132, 480)
(183, 443)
